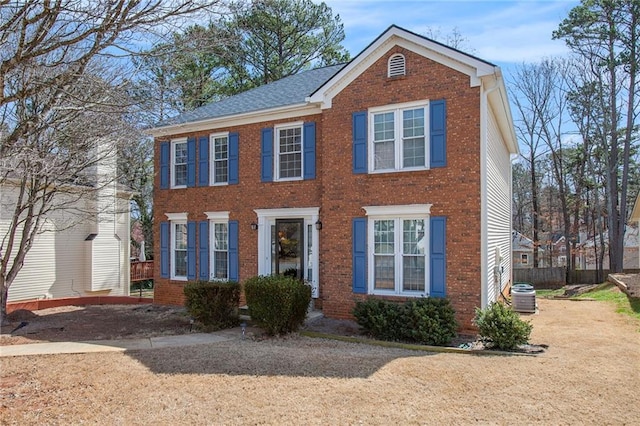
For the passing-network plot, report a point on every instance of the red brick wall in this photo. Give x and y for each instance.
(454, 190)
(239, 200)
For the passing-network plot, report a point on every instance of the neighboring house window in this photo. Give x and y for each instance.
(289, 152)
(398, 137)
(219, 159)
(219, 251)
(396, 65)
(179, 163)
(525, 259)
(179, 250)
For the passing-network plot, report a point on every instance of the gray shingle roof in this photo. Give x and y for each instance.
(290, 90)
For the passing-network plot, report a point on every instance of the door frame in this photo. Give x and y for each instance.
(267, 217)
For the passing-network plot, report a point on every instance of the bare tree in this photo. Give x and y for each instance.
(62, 108)
(606, 34)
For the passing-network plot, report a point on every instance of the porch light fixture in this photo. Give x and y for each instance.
(318, 225)
(254, 226)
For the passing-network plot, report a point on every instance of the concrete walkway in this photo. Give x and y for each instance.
(119, 345)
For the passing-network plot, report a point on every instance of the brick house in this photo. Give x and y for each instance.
(387, 176)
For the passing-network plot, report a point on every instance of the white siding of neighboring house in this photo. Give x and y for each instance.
(498, 212)
(61, 263)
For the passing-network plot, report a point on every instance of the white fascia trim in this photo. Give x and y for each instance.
(470, 66)
(495, 91)
(288, 213)
(221, 216)
(273, 114)
(396, 211)
(176, 216)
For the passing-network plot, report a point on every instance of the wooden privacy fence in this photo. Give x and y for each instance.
(141, 271)
(549, 278)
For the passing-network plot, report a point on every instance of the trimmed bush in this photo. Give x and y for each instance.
(501, 327)
(213, 304)
(427, 321)
(277, 303)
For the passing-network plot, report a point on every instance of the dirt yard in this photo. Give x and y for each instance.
(589, 375)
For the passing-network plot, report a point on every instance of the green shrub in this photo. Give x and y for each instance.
(501, 327)
(428, 321)
(277, 303)
(213, 304)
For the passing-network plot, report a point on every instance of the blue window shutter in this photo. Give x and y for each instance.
(164, 249)
(309, 138)
(191, 162)
(267, 154)
(203, 247)
(359, 255)
(234, 264)
(438, 133)
(359, 142)
(191, 250)
(165, 148)
(203, 161)
(438, 257)
(233, 158)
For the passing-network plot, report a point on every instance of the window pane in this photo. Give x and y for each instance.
(220, 265)
(413, 236)
(180, 164)
(413, 273)
(180, 262)
(290, 148)
(180, 174)
(413, 151)
(221, 236)
(221, 160)
(383, 126)
(384, 155)
(383, 236)
(180, 236)
(180, 154)
(384, 272)
(413, 123)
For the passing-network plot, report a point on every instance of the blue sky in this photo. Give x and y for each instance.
(505, 33)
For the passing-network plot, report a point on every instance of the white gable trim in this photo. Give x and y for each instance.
(395, 36)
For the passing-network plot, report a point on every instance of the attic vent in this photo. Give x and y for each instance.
(396, 65)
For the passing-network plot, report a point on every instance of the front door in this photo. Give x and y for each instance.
(287, 242)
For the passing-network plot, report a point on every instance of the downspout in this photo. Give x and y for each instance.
(484, 250)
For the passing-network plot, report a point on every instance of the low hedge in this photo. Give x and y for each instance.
(213, 304)
(501, 327)
(277, 303)
(427, 321)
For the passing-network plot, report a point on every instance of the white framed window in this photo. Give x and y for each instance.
(398, 250)
(288, 152)
(219, 251)
(396, 65)
(398, 137)
(219, 162)
(218, 245)
(524, 259)
(179, 163)
(179, 250)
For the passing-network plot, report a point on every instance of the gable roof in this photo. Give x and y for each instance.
(289, 91)
(635, 213)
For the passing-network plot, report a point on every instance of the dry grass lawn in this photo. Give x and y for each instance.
(589, 375)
